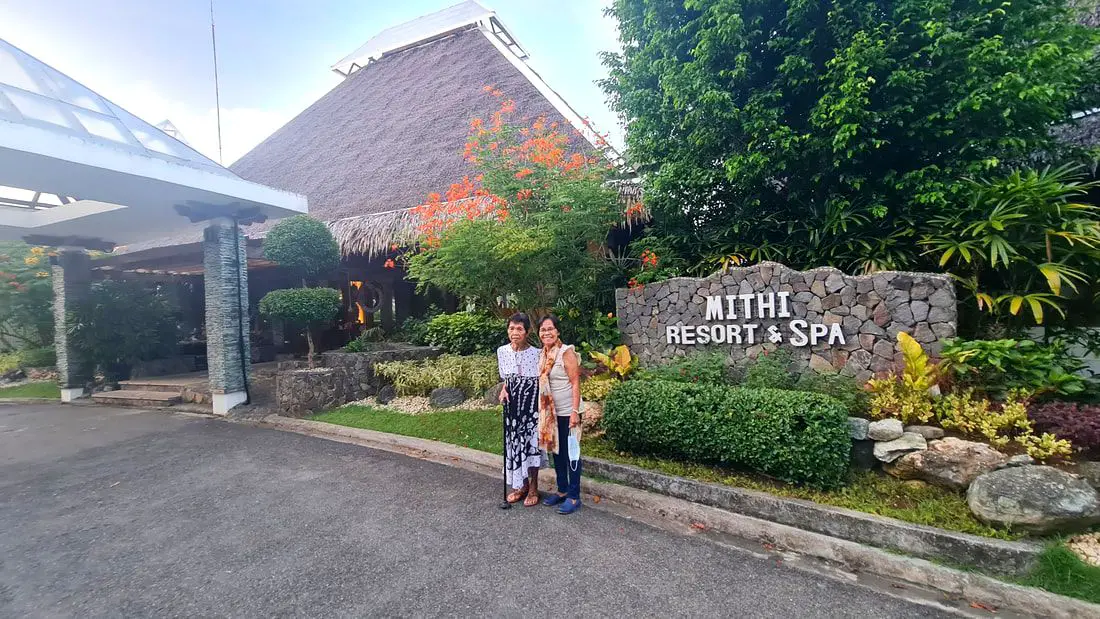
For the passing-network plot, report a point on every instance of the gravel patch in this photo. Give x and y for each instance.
(1087, 547)
(418, 405)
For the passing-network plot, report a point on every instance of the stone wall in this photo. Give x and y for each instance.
(339, 378)
(829, 321)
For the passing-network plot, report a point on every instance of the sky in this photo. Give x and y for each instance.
(153, 57)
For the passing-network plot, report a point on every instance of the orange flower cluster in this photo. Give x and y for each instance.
(389, 263)
(464, 200)
(524, 153)
(649, 259)
(634, 284)
(634, 210)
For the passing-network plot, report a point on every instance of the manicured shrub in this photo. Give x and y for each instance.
(708, 368)
(791, 435)
(465, 333)
(769, 371)
(472, 374)
(1077, 423)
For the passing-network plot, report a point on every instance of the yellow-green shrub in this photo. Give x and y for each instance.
(472, 374)
(595, 389)
(906, 397)
(999, 423)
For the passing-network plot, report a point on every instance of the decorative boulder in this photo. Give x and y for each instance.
(1037, 499)
(13, 375)
(951, 463)
(885, 430)
(492, 396)
(888, 451)
(859, 428)
(1020, 460)
(386, 394)
(930, 433)
(446, 397)
(590, 418)
(1091, 472)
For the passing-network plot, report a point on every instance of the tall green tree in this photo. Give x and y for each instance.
(830, 132)
(26, 296)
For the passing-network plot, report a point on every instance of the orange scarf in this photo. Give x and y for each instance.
(548, 422)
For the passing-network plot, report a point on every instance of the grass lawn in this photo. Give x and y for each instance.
(1060, 571)
(32, 390)
(866, 492)
(479, 430)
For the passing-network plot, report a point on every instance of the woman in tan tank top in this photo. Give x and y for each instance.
(559, 412)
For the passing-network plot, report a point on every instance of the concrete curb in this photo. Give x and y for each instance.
(857, 558)
(998, 556)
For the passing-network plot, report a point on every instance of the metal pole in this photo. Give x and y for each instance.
(217, 94)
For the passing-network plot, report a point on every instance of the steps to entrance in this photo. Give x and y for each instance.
(138, 399)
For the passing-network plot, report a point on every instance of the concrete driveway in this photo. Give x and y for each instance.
(107, 512)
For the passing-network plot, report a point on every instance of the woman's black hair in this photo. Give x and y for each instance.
(520, 318)
(553, 319)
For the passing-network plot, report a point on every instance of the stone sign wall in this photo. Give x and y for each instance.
(829, 321)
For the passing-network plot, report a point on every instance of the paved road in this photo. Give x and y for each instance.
(112, 512)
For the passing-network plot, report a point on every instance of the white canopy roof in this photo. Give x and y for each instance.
(74, 165)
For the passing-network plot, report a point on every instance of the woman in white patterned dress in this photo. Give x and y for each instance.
(519, 369)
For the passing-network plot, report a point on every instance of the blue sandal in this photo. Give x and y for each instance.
(553, 499)
(570, 506)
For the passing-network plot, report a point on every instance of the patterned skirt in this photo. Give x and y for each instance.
(521, 421)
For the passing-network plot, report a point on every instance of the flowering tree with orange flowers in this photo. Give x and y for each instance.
(528, 229)
(26, 296)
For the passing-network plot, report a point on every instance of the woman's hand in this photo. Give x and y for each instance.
(574, 420)
(503, 396)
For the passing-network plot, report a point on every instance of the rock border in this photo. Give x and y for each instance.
(853, 556)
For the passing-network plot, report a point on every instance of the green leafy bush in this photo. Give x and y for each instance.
(770, 370)
(28, 358)
(465, 333)
(45, 357)
(999, 366)
(708, 368)
(791, 435)
(472, 374)
(301, 305)
(844, 389)
(122, 323)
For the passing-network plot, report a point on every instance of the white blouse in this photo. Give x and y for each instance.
(518, 363)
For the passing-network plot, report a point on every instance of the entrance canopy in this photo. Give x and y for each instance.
(76, 169)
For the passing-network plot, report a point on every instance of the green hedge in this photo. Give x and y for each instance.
(28, 358)
(465, 334)
(790, 435)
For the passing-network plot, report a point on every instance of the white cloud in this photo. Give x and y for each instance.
(242, 127)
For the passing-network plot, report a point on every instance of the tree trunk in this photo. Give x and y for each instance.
(309, 339)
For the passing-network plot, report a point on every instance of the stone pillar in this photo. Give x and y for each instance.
(72, 283)
(227, 332)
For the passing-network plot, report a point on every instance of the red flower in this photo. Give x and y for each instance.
(525, 172)
(389, 264)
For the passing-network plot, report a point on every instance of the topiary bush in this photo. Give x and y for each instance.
(465, 333)
(794, 436)
(303, 306)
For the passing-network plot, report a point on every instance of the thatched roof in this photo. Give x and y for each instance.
(388, 135)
